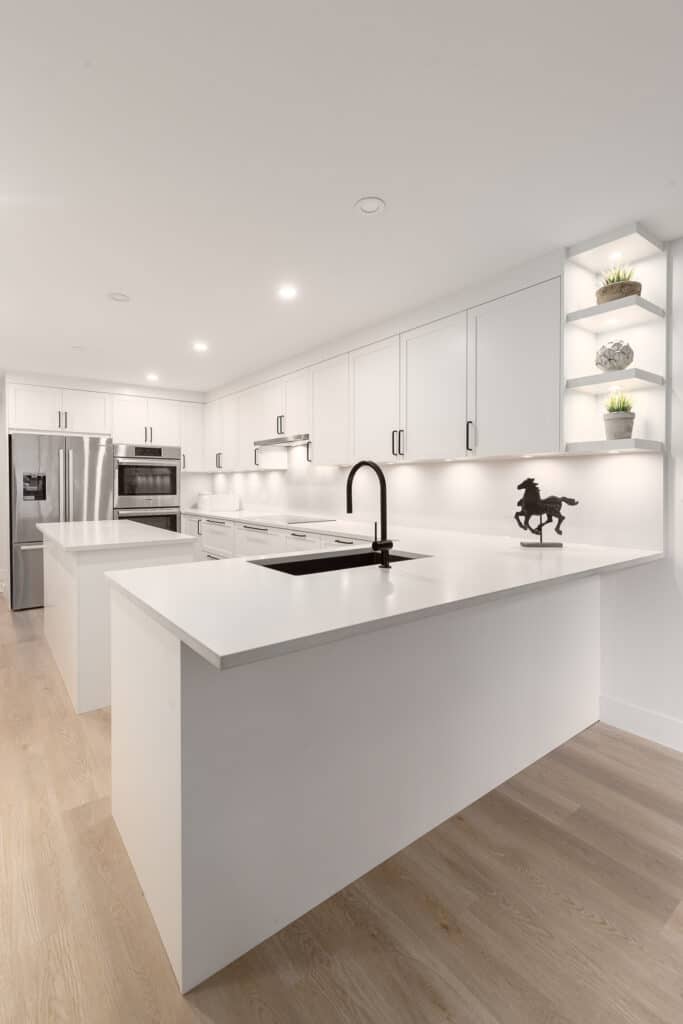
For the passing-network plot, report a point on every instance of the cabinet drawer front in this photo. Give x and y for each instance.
(217, 536)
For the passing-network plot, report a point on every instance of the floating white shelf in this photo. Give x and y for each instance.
(626, 245)
(630, 379)
(633, 444)
(612, 316)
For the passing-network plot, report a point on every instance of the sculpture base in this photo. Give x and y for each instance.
(541, 544)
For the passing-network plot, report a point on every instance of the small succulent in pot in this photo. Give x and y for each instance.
(617, 283)
(619, 417)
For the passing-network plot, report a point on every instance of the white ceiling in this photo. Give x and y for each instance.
(196, 155)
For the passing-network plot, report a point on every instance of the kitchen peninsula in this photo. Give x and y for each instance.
(76, 557)
(275, 736)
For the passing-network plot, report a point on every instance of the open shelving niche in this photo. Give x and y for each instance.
(638, 320)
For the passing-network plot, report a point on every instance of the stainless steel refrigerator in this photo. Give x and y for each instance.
(52, 479)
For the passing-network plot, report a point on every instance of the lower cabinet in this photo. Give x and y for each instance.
(218, 537)
(258, 540)
(296, 540)
(189, 525)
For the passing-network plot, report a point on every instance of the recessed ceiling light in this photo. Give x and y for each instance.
(287, 292)
(152, 377)
(200, 346)
(118, 296)
(369, 205)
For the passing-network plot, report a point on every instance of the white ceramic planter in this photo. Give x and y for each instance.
(619, 425)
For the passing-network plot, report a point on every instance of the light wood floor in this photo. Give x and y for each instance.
(555, 899)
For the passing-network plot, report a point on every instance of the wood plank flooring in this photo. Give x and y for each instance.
(557, 898)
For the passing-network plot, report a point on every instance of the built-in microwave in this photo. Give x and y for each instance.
(146, 476)
(163, 518)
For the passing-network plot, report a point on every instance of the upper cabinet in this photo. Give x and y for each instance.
(331, 412)
(33, 407)
(138, 420)
(296, 413)
(434, 390)
(515, 348)
(375, 380)
(192, 436)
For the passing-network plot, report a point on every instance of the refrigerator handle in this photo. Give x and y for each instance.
(62, 509)
(70, 478)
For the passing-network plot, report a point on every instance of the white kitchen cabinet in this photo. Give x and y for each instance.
(250, 422)
(217, 536)
(296, 412)
(434, 390)
(164, 418)
(137, 420)
(345, 542)
(213, 433)
(375, 381)
(130, 422)
(268, 408)
(190, 525)
(515, 346)
(258, 540)
(299, 540)
(192, 436)
(331, 412)
(34, 407)
(229, 421)
(85, 412)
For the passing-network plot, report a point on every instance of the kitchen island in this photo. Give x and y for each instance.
(276, 736)
(76, 621)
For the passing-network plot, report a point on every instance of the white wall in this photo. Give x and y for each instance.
(642, 609)
(619, 496)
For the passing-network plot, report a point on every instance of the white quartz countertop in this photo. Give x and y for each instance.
(236, 611)
(109, 533)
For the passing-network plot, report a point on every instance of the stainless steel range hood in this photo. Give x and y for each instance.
(283, 441)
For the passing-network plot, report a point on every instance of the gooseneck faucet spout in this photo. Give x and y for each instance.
(383, 545)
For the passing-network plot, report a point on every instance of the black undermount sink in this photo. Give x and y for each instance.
(305, 565)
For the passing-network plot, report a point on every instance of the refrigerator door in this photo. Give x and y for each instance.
(36, 484)
(27, 576)
(90, 478)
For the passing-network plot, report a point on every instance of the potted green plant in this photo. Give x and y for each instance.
(617, 283)
(619, 417)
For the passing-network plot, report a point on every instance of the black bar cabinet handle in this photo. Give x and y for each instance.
(469, 426)
(393, 441)
(401, 439)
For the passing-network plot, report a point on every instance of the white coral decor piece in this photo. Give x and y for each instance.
(616, 355)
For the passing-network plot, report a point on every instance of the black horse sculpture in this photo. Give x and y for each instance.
(532, 504)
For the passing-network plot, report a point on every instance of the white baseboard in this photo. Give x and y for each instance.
(651, 725)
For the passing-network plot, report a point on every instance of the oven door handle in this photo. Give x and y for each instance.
(149, 463)
(127, 513)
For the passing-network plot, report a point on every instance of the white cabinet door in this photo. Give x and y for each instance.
(256, 540)
(331, 412)
(297, 403)
(434, 390)
(35, 408)
(515, 345)
(192, 436)
(229, 420)
(85, 412)
(129, 419)
(218, 536)
(339, 543)
(297, 540)
(250, 421)
(213, 434)
(375, 392)
(269, 410)
(189, 524)
(163, 419)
